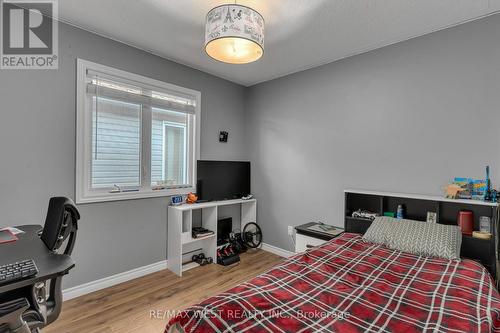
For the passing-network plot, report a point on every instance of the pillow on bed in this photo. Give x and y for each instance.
(380, 229)
(426, 239)
(421, 238)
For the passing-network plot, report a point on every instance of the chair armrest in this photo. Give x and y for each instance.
(17, 305)
(11, 314)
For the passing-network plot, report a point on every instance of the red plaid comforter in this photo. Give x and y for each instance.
(348, 285)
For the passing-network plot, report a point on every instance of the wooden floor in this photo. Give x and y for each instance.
(127, 307)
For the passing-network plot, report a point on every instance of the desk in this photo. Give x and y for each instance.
(30, 246)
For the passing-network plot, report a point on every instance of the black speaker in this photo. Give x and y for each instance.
(224, 229)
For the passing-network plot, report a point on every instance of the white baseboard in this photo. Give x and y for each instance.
(277, 250)
(110, 281)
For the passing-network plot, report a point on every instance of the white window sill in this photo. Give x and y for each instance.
(92, 197)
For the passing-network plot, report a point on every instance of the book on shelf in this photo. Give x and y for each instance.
(199, 232)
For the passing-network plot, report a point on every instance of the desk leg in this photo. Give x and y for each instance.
(55, 300)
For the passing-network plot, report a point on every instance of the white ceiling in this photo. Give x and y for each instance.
(300, 34)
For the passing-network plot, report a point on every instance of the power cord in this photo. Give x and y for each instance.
(292, 238)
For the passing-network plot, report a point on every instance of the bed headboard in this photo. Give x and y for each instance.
(417, 207)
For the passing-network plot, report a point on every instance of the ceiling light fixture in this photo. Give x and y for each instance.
(234, 34)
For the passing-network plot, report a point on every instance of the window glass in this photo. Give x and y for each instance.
(169, 148)
(116, 143)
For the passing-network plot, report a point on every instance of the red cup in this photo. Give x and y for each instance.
(466, 221)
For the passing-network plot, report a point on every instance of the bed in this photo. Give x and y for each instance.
(350, 285)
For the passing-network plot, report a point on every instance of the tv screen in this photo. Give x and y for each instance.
(222, 180)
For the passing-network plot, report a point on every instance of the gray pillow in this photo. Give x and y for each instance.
(380, 229)
(426, 239)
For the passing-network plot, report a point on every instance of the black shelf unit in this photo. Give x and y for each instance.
(356, 225)
(417, 207)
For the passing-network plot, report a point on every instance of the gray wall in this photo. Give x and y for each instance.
(404, 118)
(37, 145)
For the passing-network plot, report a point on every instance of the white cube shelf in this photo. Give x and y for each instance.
(180, 223)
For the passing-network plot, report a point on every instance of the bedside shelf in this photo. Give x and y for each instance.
(477, 249)
(474, 239)
(357, 224)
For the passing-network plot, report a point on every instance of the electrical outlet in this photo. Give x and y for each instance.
(290, 230)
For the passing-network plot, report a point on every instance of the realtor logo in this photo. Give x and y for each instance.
(29, 34)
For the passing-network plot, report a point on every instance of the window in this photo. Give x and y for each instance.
(116, 144)
(136, 137)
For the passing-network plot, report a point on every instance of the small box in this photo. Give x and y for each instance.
(431, 217)
(485, 224)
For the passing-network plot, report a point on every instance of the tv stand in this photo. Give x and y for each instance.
(180, 223)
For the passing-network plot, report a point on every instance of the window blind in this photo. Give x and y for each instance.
(116, 132)
(128, 91)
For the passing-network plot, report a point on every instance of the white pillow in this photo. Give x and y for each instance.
(380, 229)
(426, 239)
(420, 238)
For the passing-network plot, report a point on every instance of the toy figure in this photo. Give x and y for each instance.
(453, 190)
(487, 192)
(191, 198)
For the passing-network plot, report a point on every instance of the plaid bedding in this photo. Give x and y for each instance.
(347, 285)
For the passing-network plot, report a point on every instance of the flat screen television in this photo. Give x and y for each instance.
(222, 180)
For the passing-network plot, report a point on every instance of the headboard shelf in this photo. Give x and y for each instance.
(422, 197)
(417, 207)
(478, 240)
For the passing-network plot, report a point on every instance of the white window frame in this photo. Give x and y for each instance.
(84, 133)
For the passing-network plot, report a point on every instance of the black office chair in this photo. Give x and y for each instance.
(11, 315)
(37, 309)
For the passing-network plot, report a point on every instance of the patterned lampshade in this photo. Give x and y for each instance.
(234, 34)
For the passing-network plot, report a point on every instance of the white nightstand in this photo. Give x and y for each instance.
(306, 239)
